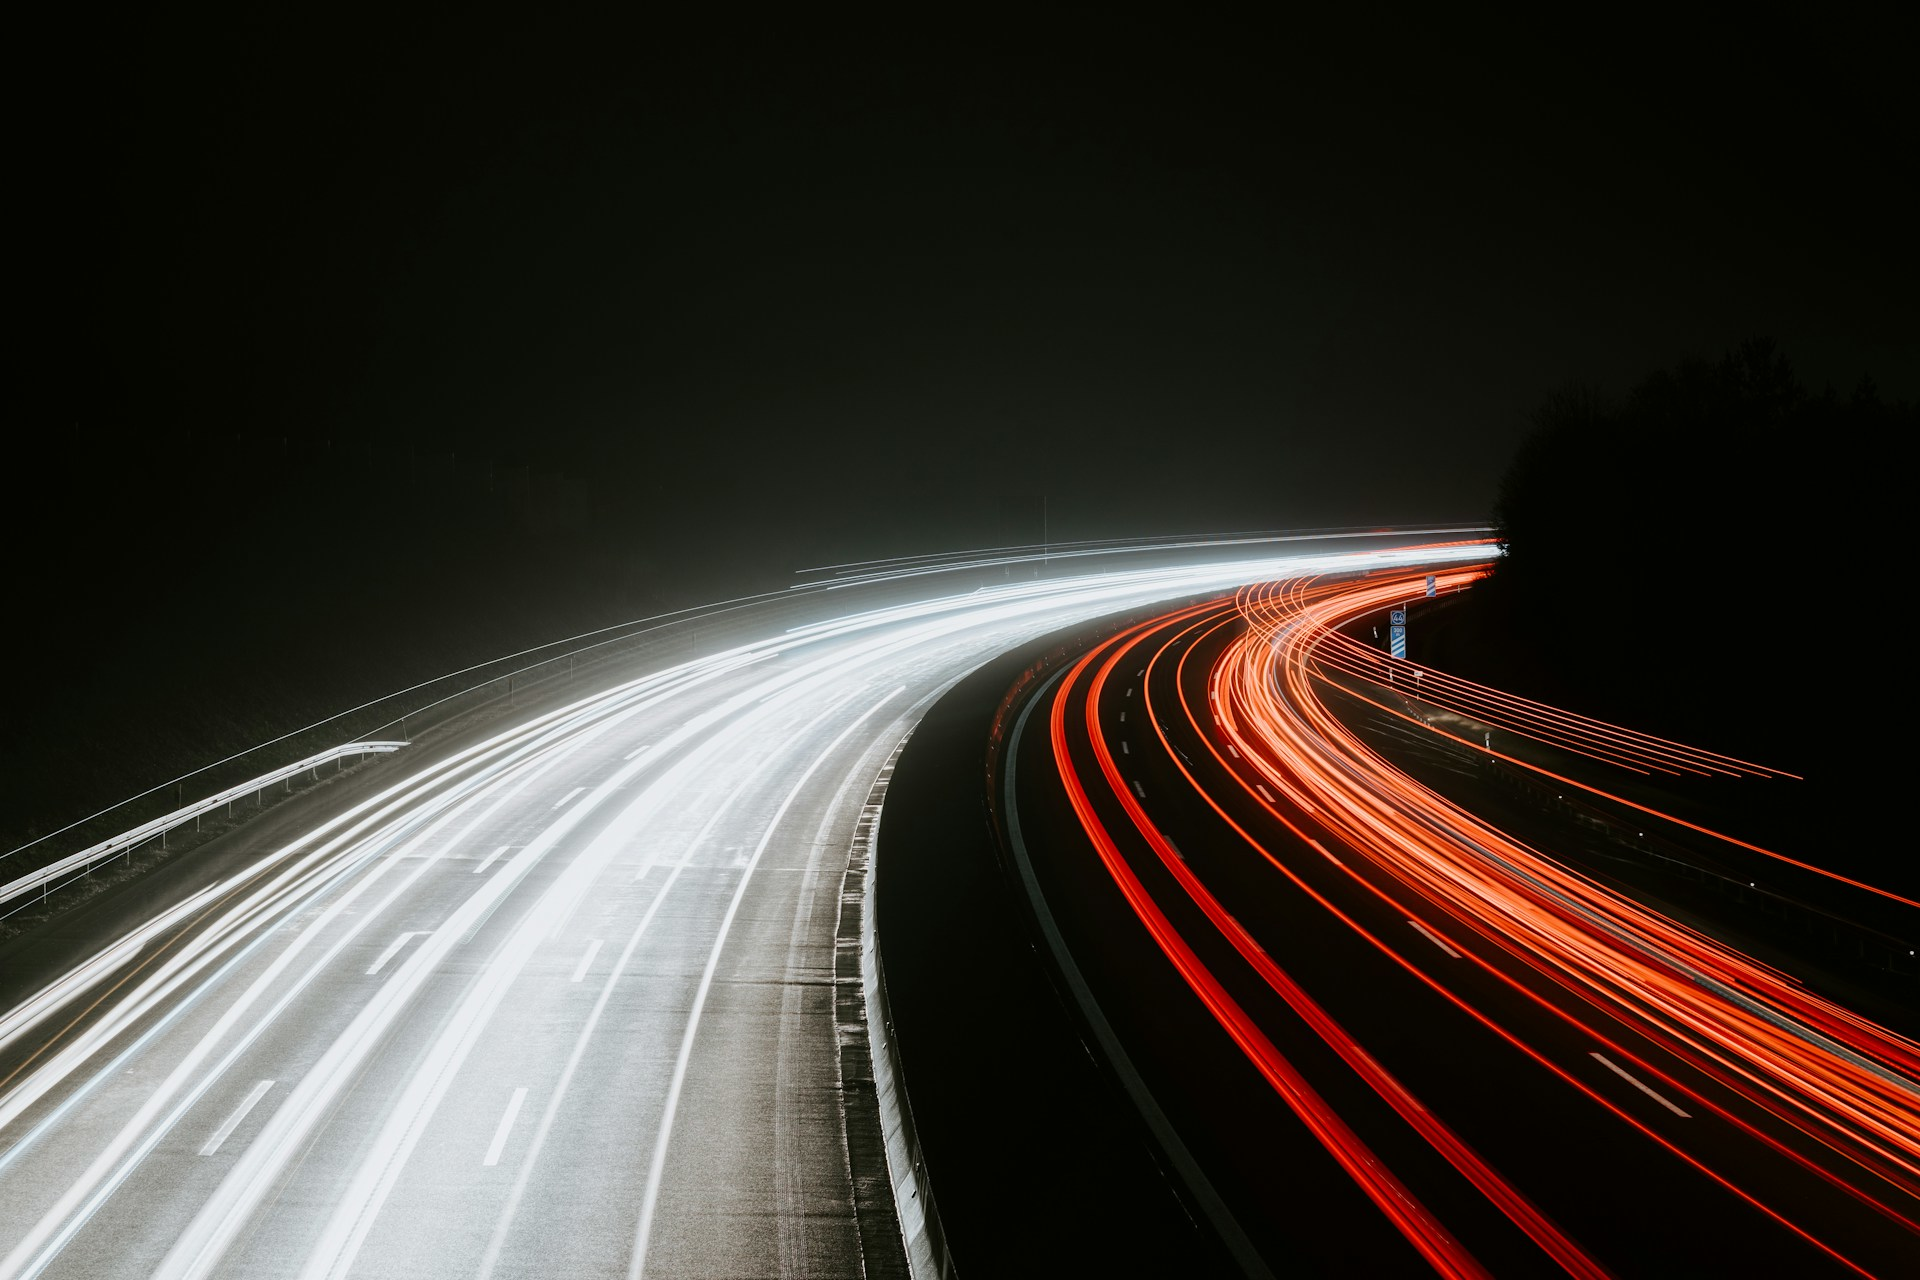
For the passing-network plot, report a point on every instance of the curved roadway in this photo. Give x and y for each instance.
(1363, 1006)
(559, 1002)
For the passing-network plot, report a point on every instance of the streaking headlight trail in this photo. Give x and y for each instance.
(548, 1003)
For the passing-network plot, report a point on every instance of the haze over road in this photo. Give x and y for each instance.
(559, 1002)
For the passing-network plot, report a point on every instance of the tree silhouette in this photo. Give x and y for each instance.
(1661, 548)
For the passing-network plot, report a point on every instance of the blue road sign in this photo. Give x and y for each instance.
(1430, 586)
(1397, 641)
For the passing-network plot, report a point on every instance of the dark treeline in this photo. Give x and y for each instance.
(1671, 553)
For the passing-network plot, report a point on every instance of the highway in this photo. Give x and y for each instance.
(558, 1000)
(1400, 1040)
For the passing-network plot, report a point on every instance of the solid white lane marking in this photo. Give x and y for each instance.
(537, 1143)
(1428, 934)
(636, 751)
(1603, 1060)
(198, 1248)
(567, 799)
(1264, 793)
(499, 1142)
(649, 1199)
(488, 860)
(356, 1209)
(221, 1134)
(1139, 790)
(586, 961)
(393, 949)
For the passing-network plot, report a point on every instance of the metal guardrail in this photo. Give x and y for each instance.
(405, 710)
(446, 695)
(51, 876)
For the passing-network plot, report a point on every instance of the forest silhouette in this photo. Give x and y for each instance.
(1661, 551)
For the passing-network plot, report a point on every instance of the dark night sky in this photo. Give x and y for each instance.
(663, 311)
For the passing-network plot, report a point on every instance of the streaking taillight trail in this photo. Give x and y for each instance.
(1655, 997)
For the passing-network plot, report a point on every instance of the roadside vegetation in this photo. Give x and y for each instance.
(1680, 559)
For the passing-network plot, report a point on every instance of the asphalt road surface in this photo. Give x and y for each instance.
(556, 1002)
(1396, 1041)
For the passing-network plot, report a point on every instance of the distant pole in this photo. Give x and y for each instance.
(1046, 537)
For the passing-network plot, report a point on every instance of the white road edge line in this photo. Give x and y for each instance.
(393, 949)
(1604, 1061)
(499, 1142)
(1427, 933)
(586, 961)
(642, 1236)
(225, 1131)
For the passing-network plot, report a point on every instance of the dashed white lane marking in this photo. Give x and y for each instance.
(1265, 794)
(1129, 691)
(567, 799)
(1125, 750)
(1123, 717)
(636, 751)
(1602, 1059)
(1236, 754)
(225, 1131)
(1433, 937)
(1139, 790)
(488, 860)
(499, 1142)
(586, 961)
(393, 949)
(1323, 849)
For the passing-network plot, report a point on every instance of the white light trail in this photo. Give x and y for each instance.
(264, 976)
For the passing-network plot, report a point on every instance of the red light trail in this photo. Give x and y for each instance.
(1715, 1037)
